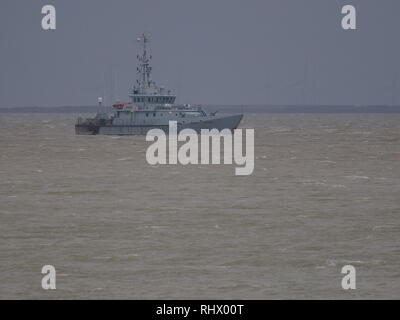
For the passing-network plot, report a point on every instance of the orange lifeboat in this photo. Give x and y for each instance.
(121, 105)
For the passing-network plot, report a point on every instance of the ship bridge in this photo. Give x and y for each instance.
(146, 95)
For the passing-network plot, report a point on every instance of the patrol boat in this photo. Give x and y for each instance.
(152, 107)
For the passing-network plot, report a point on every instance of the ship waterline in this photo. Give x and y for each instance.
(218, 123)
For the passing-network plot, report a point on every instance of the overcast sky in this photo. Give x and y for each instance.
(208, 51)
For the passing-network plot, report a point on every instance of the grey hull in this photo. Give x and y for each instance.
(219, 123)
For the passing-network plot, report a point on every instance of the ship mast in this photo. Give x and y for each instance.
(144, 69)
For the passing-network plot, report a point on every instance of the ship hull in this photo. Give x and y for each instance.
(86, 130)
(220, 123)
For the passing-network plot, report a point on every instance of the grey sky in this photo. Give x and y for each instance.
(207, 51)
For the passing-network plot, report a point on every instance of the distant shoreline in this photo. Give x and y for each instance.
(226, 109)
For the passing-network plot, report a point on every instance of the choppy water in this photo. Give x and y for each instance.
(325, 193)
